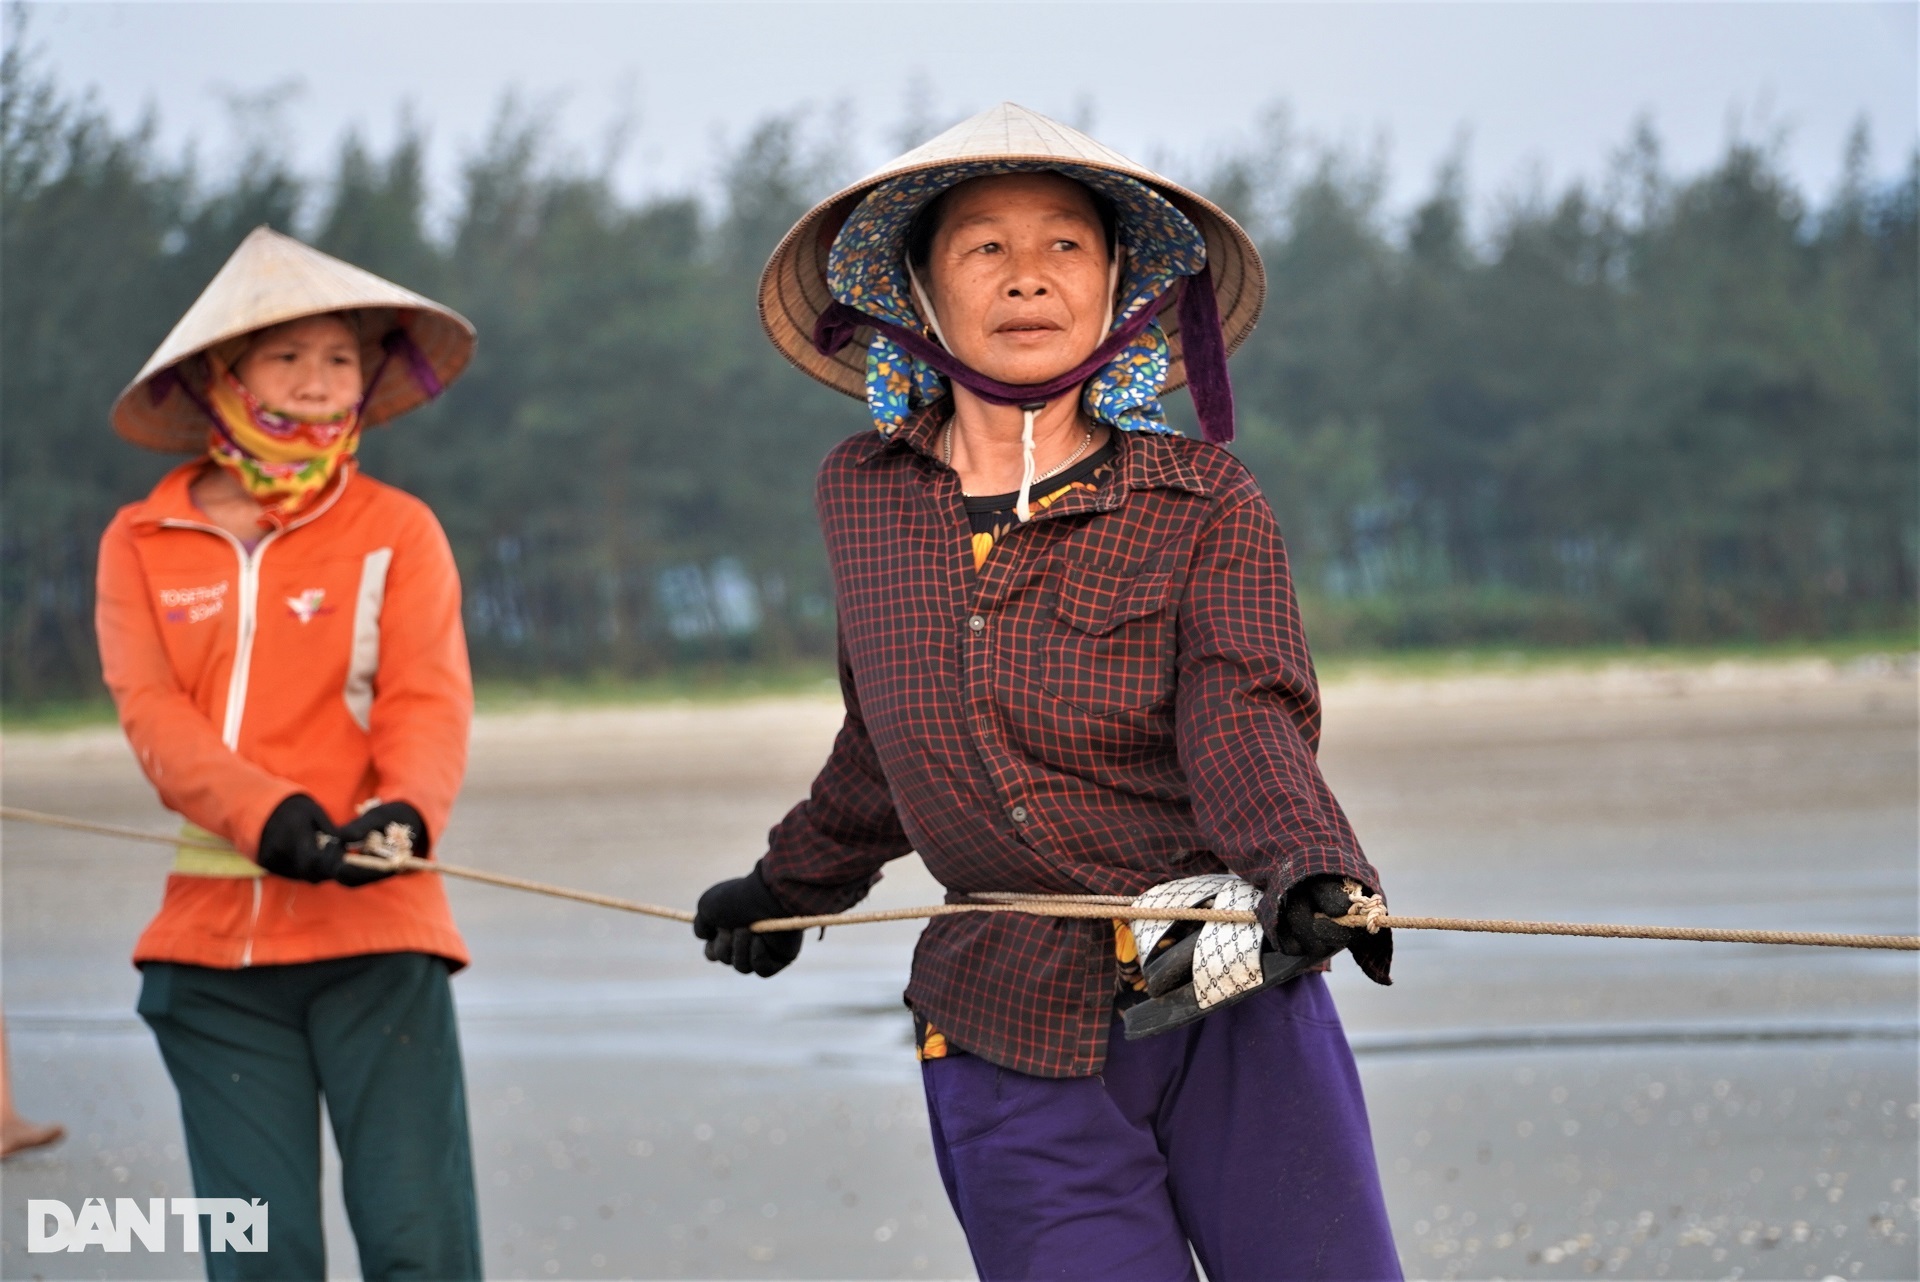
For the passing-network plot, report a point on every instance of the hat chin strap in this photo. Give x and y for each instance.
(926, 307)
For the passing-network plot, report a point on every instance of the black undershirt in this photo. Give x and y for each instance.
(993, 513)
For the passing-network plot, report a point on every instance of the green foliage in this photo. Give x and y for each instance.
(1659, 411)
(1674, 412)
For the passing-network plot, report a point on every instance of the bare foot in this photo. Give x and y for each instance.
(17, 1135)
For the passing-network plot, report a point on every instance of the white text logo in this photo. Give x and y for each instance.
(232, 1223)
(191, 605)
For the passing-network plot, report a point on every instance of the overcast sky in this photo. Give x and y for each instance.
(1540, 91)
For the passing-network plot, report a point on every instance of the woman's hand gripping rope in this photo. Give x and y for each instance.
(726, 919)
(1191, 970)
(386, 850)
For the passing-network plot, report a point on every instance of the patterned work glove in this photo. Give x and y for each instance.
(299, 841)
(722, 918)
(1306, 927)
(1192, 969)
(375, 819)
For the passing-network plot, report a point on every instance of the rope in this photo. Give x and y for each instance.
(1037, 905)
(405, 864)
(1700, 934)
(1369, 912)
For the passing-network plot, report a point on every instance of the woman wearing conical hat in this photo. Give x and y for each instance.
(282, 638)
(1073, 664)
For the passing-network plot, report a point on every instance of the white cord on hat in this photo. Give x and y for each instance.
(1113, 288)
(926, 306)
(1023, 509)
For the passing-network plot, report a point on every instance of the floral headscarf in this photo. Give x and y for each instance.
(867, 273)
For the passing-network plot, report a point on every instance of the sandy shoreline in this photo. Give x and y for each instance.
(1619, 681)
(638, 1112)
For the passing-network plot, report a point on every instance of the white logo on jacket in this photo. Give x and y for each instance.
(308, 604)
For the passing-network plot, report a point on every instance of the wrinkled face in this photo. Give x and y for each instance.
(1018, 275)
(309, 368)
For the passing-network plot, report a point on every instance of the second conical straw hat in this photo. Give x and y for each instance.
(271, 279)
(793, 289)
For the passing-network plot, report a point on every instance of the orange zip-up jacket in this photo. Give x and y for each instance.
(327, 659)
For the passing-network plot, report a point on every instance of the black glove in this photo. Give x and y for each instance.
(375, 820)
(1307, 927)
(299, 841)
(722, 918)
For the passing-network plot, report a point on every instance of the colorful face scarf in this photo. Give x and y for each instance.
(284, 462)
(867, 274)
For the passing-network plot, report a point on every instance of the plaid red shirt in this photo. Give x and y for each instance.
(1121, 695)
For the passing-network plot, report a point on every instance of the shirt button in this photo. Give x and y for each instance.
(1018, 814)
(977, 623)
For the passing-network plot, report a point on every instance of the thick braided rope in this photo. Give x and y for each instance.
(1368, 910)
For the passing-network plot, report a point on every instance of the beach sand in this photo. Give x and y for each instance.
(1541, 1107)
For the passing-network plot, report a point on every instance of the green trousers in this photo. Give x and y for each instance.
(252, 1053)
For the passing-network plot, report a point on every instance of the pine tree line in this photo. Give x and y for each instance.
(1655, 408)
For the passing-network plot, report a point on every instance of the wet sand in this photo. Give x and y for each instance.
(1541, 1107)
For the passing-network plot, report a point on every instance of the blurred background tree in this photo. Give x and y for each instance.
(1654, 409)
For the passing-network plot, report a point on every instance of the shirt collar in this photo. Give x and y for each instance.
(172, 498)
(921, 431)
(1152, 461)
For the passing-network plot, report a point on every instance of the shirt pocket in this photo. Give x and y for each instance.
(1111, 645)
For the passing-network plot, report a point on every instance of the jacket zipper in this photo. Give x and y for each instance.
(243, 642)
(247, 625)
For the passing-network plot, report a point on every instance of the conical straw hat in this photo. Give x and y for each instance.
(793, 289)
(273, 278)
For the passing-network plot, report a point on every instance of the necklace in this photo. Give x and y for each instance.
(946, 454)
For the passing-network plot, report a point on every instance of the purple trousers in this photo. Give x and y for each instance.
(1241, 1139)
